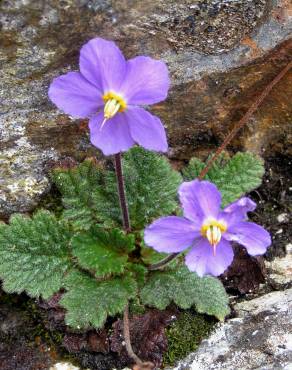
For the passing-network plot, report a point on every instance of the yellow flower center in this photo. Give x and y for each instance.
(113, 104)
(213, 230)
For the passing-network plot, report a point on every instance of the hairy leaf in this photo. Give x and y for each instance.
(34, 254)
(103, 252)
(90, 193)
(139, 272)
(82, 192)
(186, 289)
(234, 177)
(88, 302)
(151, 186)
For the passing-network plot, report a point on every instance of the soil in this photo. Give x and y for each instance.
(29, 340)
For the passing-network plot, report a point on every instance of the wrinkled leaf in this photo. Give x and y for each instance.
(234, 177)
(34, 254)
(103, 252)
(89, 302)
(186, 289)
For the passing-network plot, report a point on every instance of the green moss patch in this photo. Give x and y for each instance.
(185, 334)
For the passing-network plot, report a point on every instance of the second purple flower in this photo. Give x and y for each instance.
(207, 229)
(108, 90)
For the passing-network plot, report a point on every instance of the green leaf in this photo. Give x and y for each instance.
(151, 186)
(34, 254)
(82, 192)
(103, 252)
(186, 289)
(234, 177)
(89, 302)
(193, 169)
(139, 272)
(90, 193)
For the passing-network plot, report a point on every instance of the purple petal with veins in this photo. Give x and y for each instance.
(206, 230)
(108, 83)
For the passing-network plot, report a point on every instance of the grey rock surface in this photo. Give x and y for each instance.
(64, 366)
(280, 269)
(260, 337)
(220, 54)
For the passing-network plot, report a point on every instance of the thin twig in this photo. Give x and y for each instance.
(243, 121)
(122, 193)
(163, 262)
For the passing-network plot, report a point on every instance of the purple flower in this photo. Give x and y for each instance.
(108, 90)
(207, 229)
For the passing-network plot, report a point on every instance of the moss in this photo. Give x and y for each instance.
(185, 334)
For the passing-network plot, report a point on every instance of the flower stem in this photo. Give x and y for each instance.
(244, 120)
(127, 338)
(122, 193)
(163, 262)
(127, 228)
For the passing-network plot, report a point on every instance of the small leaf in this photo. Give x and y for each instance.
(34, 254)
(89, 302)
(234, 177)
(82, 192)
(186, 289)
(103, 252)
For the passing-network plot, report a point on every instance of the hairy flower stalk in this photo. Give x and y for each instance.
(245, 119)
(122, 193)
(127, 228)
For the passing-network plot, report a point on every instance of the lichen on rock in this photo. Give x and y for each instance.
(219, 54)
(259, 337)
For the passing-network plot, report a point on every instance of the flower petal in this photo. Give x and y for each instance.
(200, 200)
(74, 95)
(237, 211)
(170, 234)
(146, 81)
(146, 129)
(103, 64)
(202, 260)
(252, 236)
(113, 137)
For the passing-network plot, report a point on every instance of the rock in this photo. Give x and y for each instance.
(283, 217)
(220, 55)
(64, 366)
(280, 270)
(258, 338)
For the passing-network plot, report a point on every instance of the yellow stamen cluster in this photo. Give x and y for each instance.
(113, 104)
(213, 230)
